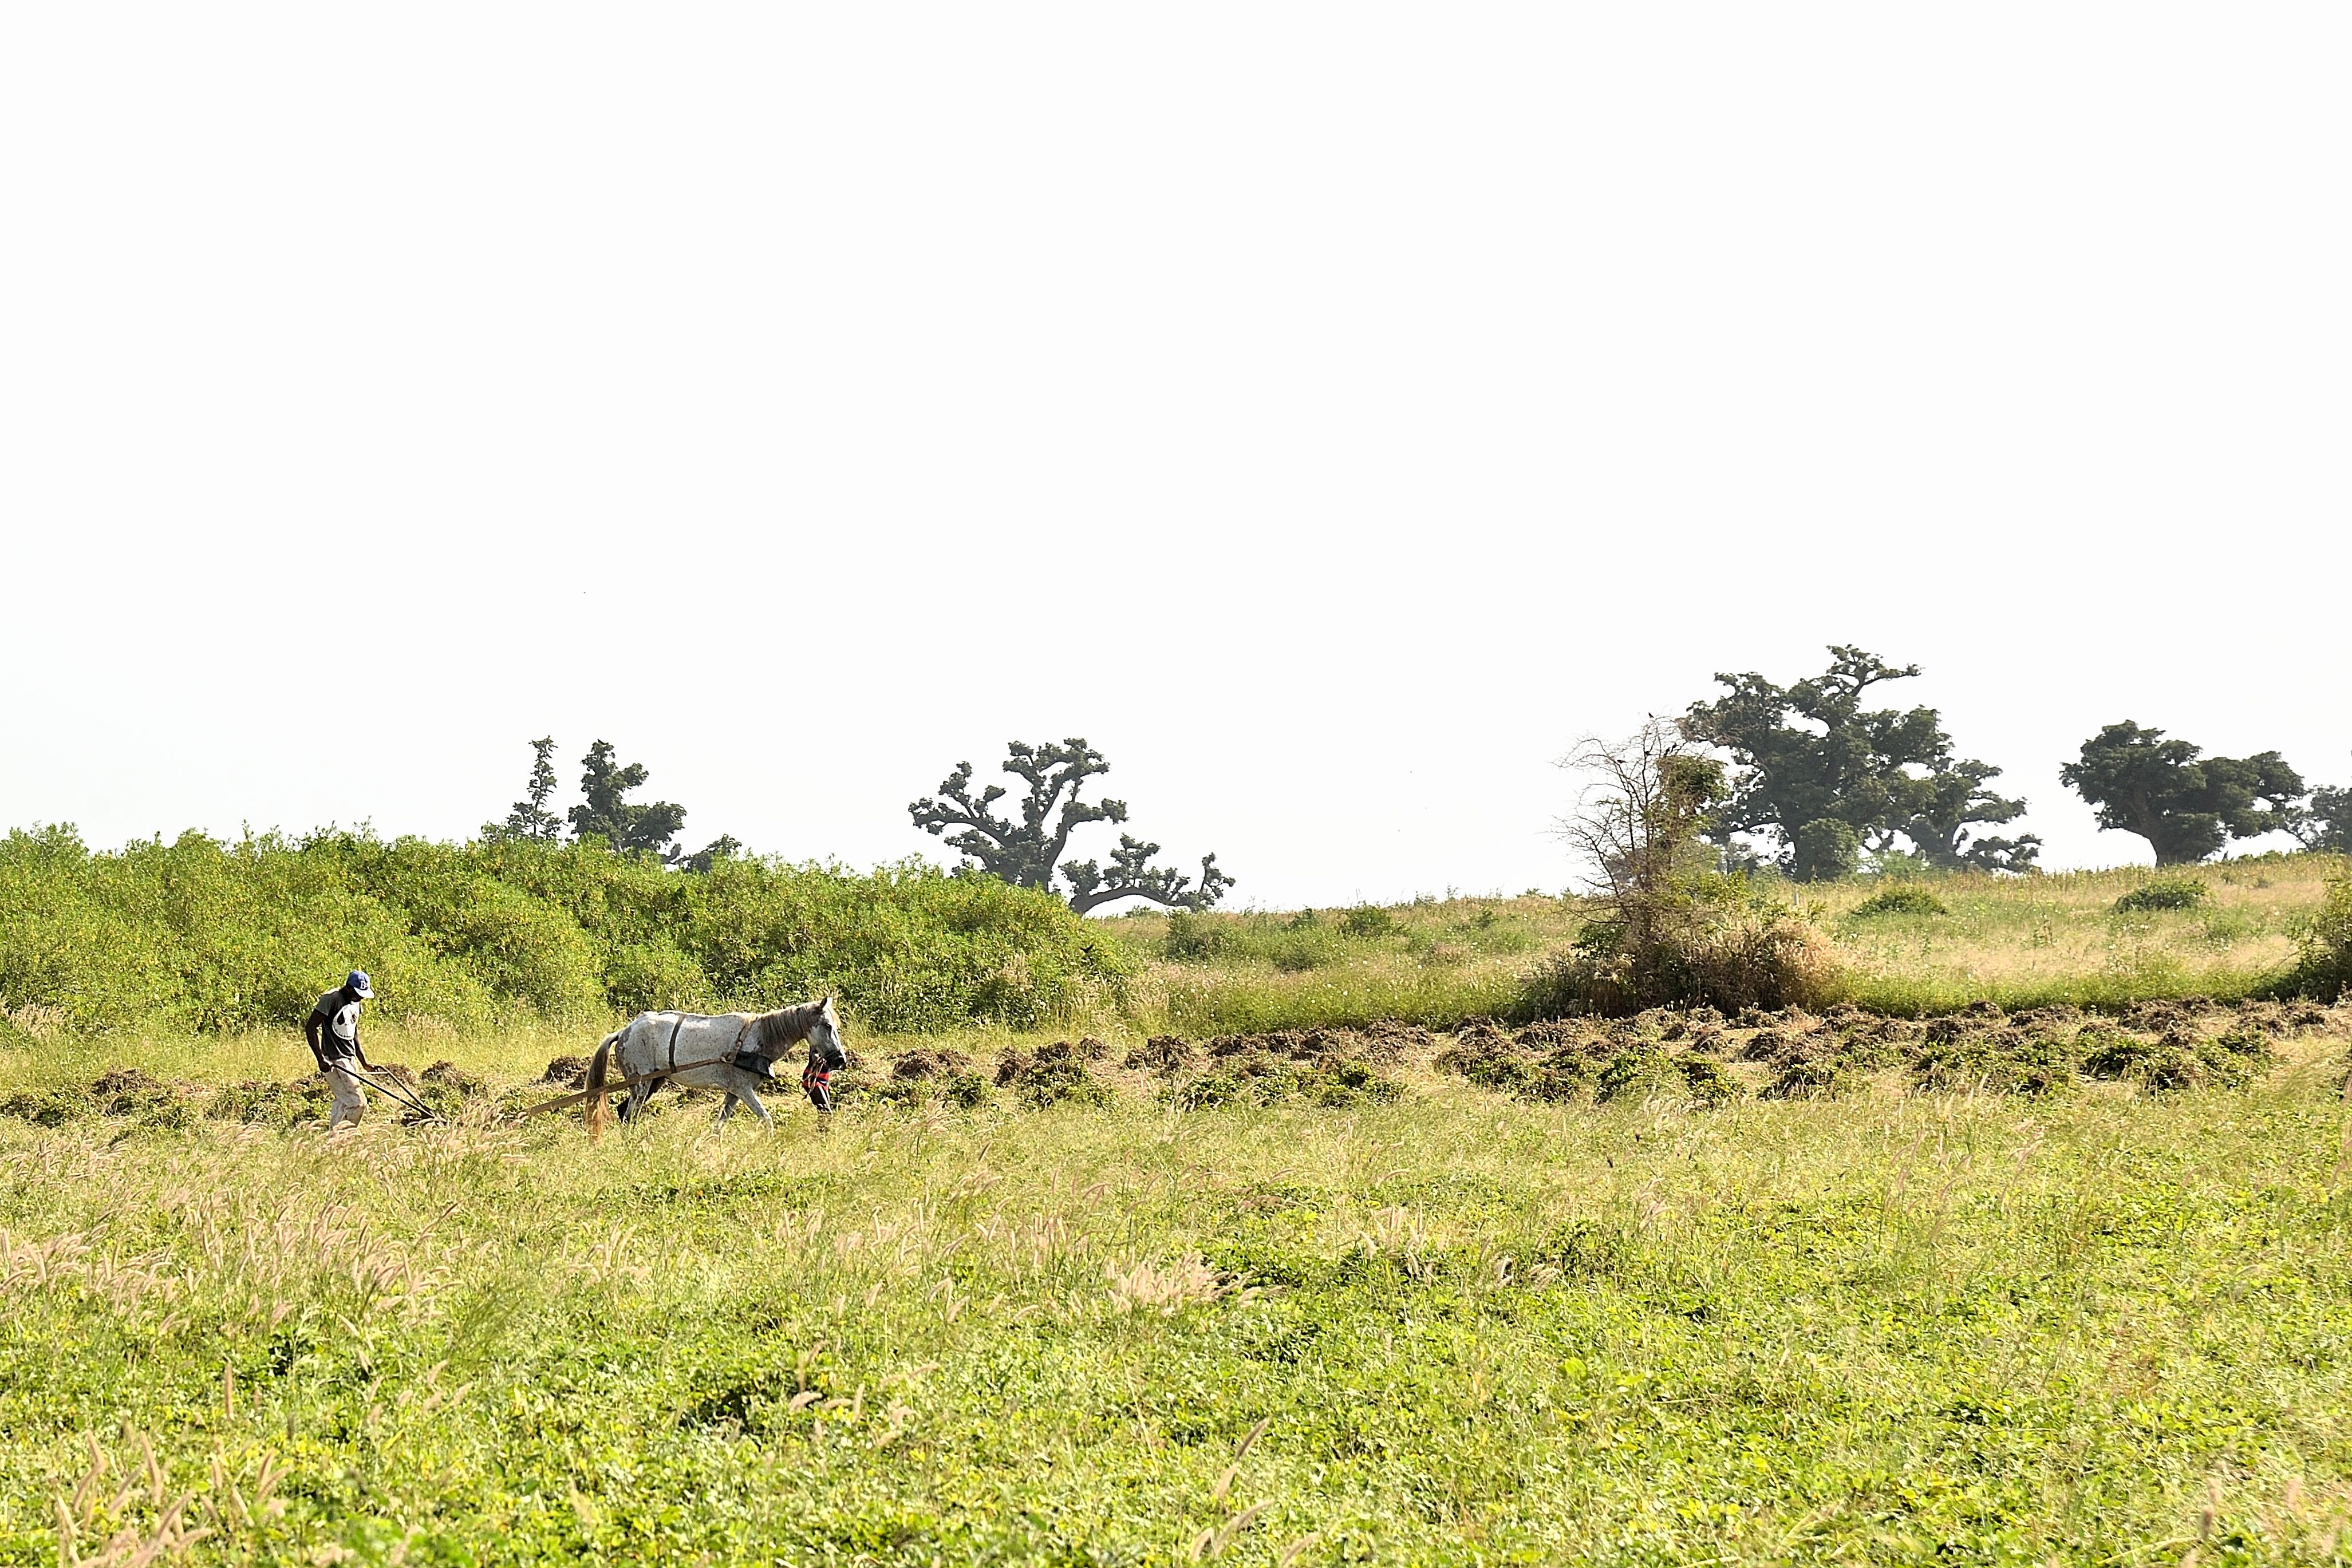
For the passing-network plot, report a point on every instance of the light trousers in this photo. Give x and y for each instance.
(350, 1100)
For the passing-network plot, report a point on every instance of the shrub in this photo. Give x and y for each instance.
(1671, 931)
(2162, 892)
(1903, 898)
(1306, 947)
(1708, 1083)
(2224, 926)
(1191, 938)
(1372, 920)
(966, 1089)
(1643, 1073)
(2325, 970)
(1750, 953)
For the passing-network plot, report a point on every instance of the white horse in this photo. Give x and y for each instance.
(733, 1052)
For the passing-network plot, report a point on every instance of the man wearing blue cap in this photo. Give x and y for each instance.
(333, 1030)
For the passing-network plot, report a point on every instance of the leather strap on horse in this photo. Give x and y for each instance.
(629, 1080)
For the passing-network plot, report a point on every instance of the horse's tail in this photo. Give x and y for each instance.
(596, 1066)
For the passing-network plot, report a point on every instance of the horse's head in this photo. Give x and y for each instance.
(825, 1033)
(815, 1023)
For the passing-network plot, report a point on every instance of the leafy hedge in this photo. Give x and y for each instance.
(2326, 971)
(206, 936)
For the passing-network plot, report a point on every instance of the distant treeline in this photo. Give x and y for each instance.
(198, 935)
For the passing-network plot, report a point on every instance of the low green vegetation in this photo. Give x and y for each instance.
(2163, 892)
(198, 935)
(1928, 943)
(2324, 965)
(2095, 939)
(1903, 898)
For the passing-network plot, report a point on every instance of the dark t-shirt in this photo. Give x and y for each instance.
(333, 1026)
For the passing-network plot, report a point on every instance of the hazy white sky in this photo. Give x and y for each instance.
(1331, 411)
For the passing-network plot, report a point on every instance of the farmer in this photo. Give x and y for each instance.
(333, 1030)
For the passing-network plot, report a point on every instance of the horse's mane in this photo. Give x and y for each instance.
(785, 1026)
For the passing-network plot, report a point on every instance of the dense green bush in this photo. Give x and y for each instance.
(202, 934)
(1903, 898)
(2161, 892)
(2326, 971)
(1191, 938)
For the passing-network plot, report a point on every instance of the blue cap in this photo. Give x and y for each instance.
(357, 984)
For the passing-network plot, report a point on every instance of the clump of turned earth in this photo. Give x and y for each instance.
(1789, 1053)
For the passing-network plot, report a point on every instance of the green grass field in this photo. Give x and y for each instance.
(1693, 1290)
(2107, 1326)
(2020, 941)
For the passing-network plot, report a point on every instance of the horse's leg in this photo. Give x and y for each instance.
(638, 1094)
(746, 1094)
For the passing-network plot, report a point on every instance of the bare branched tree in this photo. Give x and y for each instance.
(1024, 854)
(1028, 854)
(1640, 821)
(1132, 876)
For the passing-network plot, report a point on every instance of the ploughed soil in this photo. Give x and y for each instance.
(1698, 1056)
(1694, 1056)
(137, 1097)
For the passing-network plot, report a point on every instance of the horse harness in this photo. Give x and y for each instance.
(817, 1078)
(816, 1081)
(742, 1061)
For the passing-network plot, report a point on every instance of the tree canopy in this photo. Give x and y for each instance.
(2185, 804)
(1028, 854)
(2327, 822)
(530, 818)
(1820, 777)
(605, 811)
